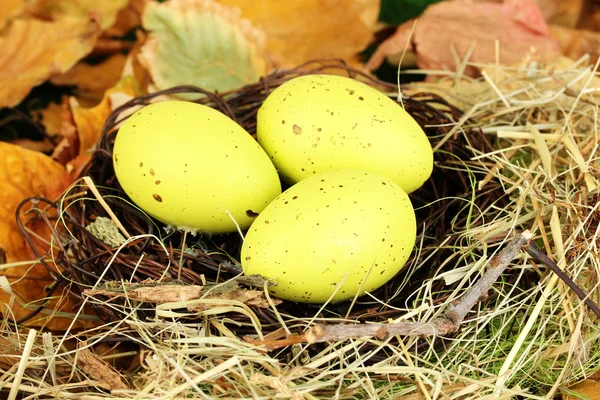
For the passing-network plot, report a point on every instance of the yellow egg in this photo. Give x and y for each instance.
(316, 123)
(332, 235)
(192, 167)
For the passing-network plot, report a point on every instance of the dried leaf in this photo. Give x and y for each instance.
(560, 12)
(156, 293)
(89, 121)
(128, 18)
(575, 43)
(42, 146)
(202, 43)
(25, 173)
(105, 11)
(99, 369)
(589, 389)
(517, 25)
(52, 117)
(26, 60)
(302, 30)
(94, 79)
(10, 9)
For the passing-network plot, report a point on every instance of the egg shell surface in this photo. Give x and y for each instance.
(331, 235)
(187, 165)
(316, 123)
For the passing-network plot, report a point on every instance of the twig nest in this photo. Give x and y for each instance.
(332, 236)
(192, 167)
(316, 123)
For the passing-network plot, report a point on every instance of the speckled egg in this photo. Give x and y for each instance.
(316, 123)
(192, 167)
(331, 236)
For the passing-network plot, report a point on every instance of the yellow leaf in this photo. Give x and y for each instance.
(105, 10)
(588, 389)
(202, 43)
(25, 173)
(89, 121)
(93, 79)
(302, 30)
(10, 9)
(52, 116)
(31, 51)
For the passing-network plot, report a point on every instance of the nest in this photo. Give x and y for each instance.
(85, 258)
(461, 223)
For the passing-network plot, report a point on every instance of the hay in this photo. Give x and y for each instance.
(521, 157)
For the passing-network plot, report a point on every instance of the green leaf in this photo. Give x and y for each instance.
(201, 43)
(395, 12)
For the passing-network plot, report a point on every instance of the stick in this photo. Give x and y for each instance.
(446, 323)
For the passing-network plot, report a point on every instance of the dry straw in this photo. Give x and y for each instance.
(513, 193)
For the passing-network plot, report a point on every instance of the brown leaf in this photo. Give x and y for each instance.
(10, 9)
(574, 43)
(93, 79)
(517, 25)
(589, 389)
(89, 121)
(302, 30)
(31, 51)
(128, 18)
(561, 12)
(42, 146)
(52, 116)
(104, 10)
(25, 173)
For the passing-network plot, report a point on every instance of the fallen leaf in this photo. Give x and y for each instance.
(42, 146)
(560, 12)
(89, 121)
(517, 25)
(574, 43)
(27, 61)
(105, 10)
(128, 18)
(52, 116)
(302, 30)
(10, 9)
(589, 389)
(590, 18)
(201, 43)
(93, 79)
(25, 173)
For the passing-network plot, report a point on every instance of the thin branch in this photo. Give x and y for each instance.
(541, 257)
(448, 322)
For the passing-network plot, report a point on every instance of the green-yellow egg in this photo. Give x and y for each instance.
(317, 123)
(331, 236)
(192, 167)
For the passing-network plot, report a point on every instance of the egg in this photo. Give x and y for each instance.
(192, 167)
(315, 123)
(331, 236)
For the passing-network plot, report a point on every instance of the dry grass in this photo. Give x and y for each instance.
(532, 337)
